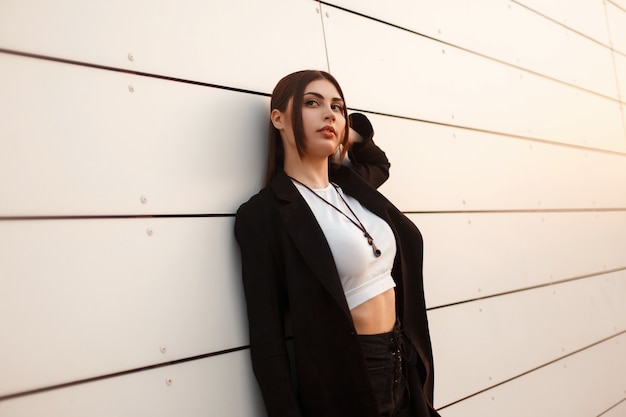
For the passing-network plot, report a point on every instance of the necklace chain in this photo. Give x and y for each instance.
(359, 225)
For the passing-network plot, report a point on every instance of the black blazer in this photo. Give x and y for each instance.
(289, 276)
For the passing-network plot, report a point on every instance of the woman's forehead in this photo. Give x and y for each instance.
(324, 88)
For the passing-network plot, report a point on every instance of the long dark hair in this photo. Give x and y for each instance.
(292, 86)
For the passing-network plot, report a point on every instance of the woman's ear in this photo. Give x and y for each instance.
(278, 119)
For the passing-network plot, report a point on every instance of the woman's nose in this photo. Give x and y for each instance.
(329, 114)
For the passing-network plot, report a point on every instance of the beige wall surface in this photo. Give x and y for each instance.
(130, 132)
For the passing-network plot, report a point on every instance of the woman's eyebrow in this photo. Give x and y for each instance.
(318, 95)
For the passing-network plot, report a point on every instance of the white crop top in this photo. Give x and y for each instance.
(363, 275)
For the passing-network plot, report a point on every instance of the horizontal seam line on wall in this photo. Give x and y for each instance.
(113, 216)
(493, 132)
(129, 71)
(575, 352)
(482, 55)
(121, 373)
(531, 288)
(240, 90)
(221, 215)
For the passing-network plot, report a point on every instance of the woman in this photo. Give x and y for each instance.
(330, 261)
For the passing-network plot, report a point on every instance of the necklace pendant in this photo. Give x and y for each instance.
(377, 251)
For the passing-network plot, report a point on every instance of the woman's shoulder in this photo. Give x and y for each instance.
(279, 190)
(258, 203)
(259, 216)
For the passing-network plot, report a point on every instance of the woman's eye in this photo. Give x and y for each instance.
(310, 103)
(337, 107)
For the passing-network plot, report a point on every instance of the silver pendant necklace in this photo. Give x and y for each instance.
(359, 225)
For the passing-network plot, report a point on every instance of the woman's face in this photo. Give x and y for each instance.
(322, 119)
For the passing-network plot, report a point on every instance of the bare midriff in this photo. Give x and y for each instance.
(376, 315)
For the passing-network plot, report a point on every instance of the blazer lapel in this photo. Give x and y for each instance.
(308, 237)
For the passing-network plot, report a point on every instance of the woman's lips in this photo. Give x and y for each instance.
(327, 131)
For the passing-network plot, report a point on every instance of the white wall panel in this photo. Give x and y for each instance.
(408, 75)
(500, 30)
(463, 23)
(93, 297)
(439, 168)
(220, 42)
(586, 16)
(542, 46)
(474, 255)
(214, 386)
(582, 385)
(474, 343)
(76, 140)
(616, 18)
(623, 107)
(620, 69)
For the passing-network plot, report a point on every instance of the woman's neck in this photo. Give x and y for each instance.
(312, 173)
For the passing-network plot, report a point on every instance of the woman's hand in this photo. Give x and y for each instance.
(354, 136)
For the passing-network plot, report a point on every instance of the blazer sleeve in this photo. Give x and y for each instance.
(266, 305)
(367, 159)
